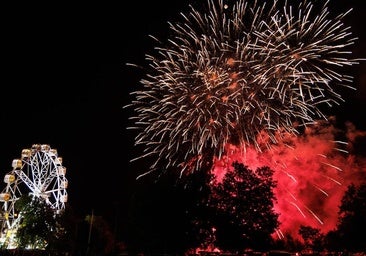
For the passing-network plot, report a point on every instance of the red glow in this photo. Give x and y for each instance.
(312, 170)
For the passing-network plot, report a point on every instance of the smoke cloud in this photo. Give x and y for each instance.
(312, 169)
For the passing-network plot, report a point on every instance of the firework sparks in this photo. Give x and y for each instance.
(232, 73)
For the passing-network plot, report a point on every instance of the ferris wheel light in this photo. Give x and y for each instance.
(63, 198)
(9, 178)
(26, 153)
(4, 197)
(53, 152)
(64, 184)
(61, 170)
(59, 161)
(35, 147)
(17, 163)
(45, 147)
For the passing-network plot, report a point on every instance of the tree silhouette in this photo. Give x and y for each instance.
(101, 240)
(178, 214)
(168, 214)
(352, 218)
(312, 237)
(243, 205)
(65, 238)
(288, 243)
(198, 216)
(332, 241)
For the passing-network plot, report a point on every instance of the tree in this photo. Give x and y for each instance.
(312, 237)
(40, 227)
(197, 216)
(332, 241)
(169, 214)
(287, 243)
(243, 205)
(176, 214)
(352, 218)
(64, 240)
(101, 240)
(37, 225)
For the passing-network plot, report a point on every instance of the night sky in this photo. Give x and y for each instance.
(65, 82)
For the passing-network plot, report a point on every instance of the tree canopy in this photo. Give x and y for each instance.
(243, 205)
(352, 218)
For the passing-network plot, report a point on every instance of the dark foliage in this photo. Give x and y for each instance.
(167, 214)
(38, 226)
(243, 205)
(352, 218)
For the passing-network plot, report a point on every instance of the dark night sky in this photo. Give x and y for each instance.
(64, 82)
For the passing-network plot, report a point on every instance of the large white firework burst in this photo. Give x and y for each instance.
(231, 73)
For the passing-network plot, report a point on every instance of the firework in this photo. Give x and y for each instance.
(231, 74)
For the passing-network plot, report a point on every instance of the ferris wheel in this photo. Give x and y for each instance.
(38, 172)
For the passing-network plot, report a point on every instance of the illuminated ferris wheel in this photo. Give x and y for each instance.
(40, 173)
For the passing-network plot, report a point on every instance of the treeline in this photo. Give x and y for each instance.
(175, 215)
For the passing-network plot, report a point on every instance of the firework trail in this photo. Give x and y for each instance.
(230, 74)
